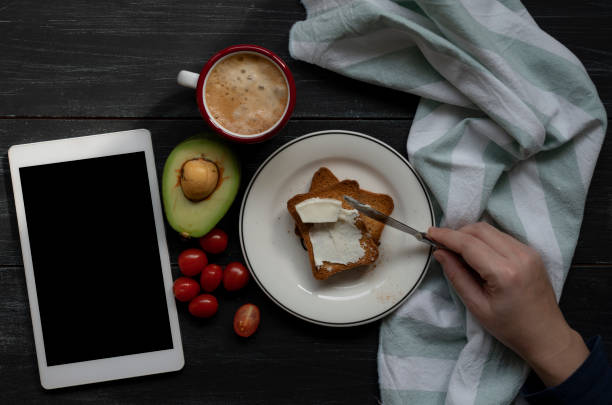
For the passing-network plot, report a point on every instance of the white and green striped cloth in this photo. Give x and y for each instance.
(508, 129)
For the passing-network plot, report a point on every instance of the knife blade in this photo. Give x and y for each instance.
(387, 220)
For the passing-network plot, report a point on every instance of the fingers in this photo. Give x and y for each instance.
(501, 242)
(468, 288)
(480, 256)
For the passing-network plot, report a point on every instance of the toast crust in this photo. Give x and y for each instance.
(322, 179)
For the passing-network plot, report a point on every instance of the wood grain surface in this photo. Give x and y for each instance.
(75, 68)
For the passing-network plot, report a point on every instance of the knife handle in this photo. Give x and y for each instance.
(423, 238)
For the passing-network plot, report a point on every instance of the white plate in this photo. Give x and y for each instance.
(279, 263)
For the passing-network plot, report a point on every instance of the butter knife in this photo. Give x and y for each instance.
(387, 220)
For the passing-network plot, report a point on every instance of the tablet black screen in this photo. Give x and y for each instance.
(96, 258)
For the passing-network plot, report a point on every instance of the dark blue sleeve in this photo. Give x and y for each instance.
(591, 383)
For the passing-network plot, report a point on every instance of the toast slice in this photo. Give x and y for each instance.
(335, 191)
(324, 178)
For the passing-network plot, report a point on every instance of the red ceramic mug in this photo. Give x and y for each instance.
(231, 110)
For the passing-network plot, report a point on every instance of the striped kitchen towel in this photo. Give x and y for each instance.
(508, 129)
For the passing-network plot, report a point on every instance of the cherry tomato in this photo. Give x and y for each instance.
(214, 241)
(211, 277)
(192, 261)
(235, 276)
(203, 306)
(246, 320)
(185, 289)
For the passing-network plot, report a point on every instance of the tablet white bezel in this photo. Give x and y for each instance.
(86, 147)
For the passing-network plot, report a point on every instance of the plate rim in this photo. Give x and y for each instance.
(246, 257)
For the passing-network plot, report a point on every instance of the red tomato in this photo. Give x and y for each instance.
(246, 320)
(192, 261)
(235, 276)
(185, 289)
(211, 277)
(214, 241)
(203, 306)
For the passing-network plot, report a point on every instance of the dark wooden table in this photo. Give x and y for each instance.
(76, 68)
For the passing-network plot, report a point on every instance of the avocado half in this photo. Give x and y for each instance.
(195, 218)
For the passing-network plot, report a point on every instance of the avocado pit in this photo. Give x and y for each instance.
(199, 178)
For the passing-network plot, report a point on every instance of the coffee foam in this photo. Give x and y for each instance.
(246, 93)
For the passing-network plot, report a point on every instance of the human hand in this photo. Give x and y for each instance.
(504, 284)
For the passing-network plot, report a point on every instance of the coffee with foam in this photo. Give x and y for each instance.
(246, 93)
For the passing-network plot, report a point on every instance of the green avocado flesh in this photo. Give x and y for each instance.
(195, 219)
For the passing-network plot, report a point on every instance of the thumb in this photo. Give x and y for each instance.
(460, 277)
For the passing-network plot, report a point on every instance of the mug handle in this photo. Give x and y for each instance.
(189, 79)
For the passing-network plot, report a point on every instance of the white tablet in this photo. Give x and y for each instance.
(95, 257)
